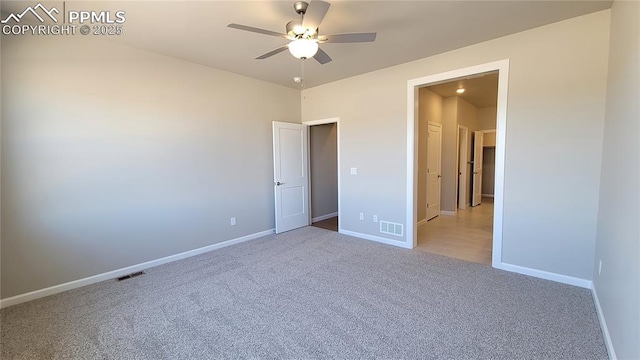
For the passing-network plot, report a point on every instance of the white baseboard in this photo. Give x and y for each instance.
(570, 280)
(448, 213)
(487, 195)
(603, 324)
(14, 300)
(379, 239)
(324, 217)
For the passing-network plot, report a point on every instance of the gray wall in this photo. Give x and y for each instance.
(113, 156)
(618, 235)
(555, 233)
(324, 169)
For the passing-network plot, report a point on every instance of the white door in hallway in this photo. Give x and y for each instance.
(434, 156)
(463, 172)
(478, 139)
(290, 162)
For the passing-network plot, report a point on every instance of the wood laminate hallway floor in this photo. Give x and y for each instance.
(466, 236)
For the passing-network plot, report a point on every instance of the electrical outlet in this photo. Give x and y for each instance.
(361, 216)
(354, 171)
(375, 218)
(600, 267)
(233, 221)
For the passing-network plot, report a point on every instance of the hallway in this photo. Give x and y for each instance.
(467, 236)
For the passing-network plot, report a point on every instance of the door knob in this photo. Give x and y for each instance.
(439, 176)
(279, 183)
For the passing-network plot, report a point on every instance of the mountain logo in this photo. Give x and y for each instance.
(34, 12)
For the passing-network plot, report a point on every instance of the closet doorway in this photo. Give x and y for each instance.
(323, 175)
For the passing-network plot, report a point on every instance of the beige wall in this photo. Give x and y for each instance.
(467, 114)
(430, 106)
(449, 154)
(546, 64)
(429, 110)
(458, 112)
(489, 139)
(323, 153)
(618, 235)
(487, 118)
(114, 156)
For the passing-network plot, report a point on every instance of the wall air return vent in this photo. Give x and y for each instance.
(387, 227)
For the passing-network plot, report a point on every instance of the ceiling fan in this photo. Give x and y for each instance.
(303, 33)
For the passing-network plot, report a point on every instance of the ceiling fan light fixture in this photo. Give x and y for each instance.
(303, 33)
(295, 30)
(303, 48)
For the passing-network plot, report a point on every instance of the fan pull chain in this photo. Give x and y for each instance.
(302, 73)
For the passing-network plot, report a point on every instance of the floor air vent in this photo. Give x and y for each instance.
(390, 228)
(132, 275)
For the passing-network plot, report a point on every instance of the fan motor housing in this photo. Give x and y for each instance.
(300, 7)
(296, 31)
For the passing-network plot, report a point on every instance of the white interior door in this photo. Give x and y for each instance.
(478, 139)
(290, 164)
(463, 149)
(434, 170)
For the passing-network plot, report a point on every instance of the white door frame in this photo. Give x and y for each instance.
(502, 66)
(462, 203)
(334, 120)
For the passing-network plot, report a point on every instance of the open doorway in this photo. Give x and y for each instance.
(467, 109)
(323, 175)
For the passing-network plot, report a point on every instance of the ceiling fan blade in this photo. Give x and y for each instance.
(256, 30)
(348, 38)
(273, 52)
(322, 57)
(315, 13)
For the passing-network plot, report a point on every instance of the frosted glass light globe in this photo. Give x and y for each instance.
(303, 48)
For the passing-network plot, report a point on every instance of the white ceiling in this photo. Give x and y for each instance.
(407, 30)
